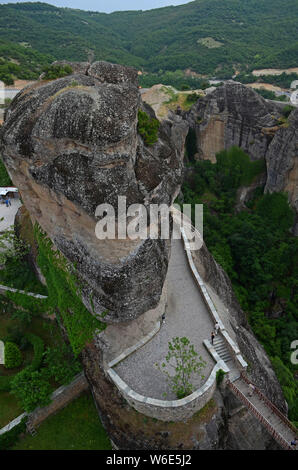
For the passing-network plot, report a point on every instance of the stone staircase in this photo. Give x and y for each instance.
(221, 349)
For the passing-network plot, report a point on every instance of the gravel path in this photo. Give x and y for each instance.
(186, 315)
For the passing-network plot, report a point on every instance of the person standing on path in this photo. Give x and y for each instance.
(217, 328)
(294, 442)
(212, 337)
(251, 390)
(6, 202)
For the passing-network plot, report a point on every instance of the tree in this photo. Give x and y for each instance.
(61, 363)
(32, 389)
(148, 128)
(11, 246)
(185, 361)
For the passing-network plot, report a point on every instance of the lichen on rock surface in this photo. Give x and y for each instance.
(71, 145)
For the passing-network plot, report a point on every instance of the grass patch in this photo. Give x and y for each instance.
(79, 429)
(9, 408)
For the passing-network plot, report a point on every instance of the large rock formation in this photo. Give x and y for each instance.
(234, 114)
(282, 162)
(71, 145)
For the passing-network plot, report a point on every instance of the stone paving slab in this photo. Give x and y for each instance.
(8, 213)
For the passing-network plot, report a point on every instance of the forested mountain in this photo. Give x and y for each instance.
(204, 35)
(20, 61)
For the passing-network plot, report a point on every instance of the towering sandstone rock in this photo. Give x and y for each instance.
(236, 115)
(72, 144)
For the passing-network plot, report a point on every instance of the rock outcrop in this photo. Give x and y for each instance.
(234, 114)
(282, 163)
(71, 145)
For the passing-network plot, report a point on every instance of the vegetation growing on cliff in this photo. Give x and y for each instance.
(4, 177)
(148, 128)
(64, 294)
(51, 72)
(257, 250)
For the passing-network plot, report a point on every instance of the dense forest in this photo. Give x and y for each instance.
(257, 250)
(204, 35)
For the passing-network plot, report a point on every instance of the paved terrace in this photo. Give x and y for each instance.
(8, 214)
(186, 315)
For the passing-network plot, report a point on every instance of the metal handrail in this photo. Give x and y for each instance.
(260, 417)
(271, 405)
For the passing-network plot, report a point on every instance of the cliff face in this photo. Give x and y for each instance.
(233, 115)
(236, 115)
(71, 145)
(282, 163)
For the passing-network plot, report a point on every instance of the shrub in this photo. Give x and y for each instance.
(148, 128)
(4, 176)
(12, 355)
(192, 98)
(61, 364)
(38, 347)
(31, 388)
(219, 377)
(287, 110)
(56, 71)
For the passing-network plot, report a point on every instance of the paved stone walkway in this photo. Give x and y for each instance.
(8, 214)
(186, 315)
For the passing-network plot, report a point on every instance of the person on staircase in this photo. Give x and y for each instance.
(216, 328)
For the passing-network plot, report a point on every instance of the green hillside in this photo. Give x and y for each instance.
(20, 61)
(204, 35)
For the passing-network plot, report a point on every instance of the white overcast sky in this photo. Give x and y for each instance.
(110, 5)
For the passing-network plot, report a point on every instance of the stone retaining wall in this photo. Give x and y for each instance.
(170, 410)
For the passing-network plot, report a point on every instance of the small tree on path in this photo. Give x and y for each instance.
(185, 361)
